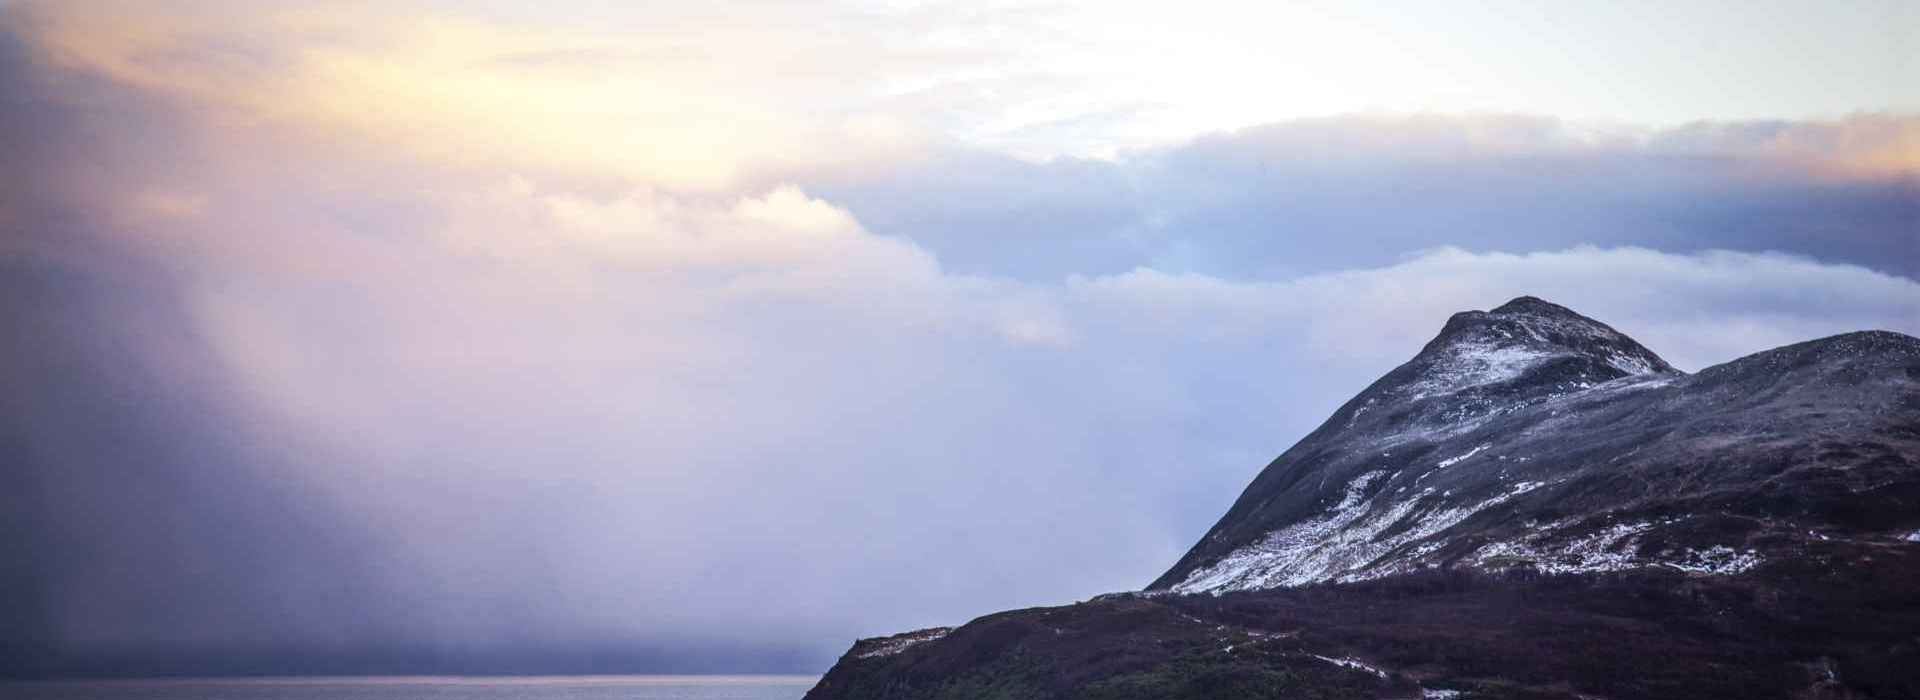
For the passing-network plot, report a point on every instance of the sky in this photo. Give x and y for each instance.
(487, 337)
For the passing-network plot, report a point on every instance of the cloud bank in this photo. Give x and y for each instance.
(1306, 195)
(323, 353)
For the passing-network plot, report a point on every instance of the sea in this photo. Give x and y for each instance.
(421, 688)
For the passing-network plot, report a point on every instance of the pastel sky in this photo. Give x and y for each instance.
(604, 336)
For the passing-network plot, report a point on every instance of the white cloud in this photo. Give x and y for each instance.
(675, 94)
(1696, 309)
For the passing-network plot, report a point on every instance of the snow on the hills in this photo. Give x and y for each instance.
(1350, 542)
(1450, 461)
(1614, 548)
(1530, 367)
(1472, 363)
(1610, 549)
(1718, 559)
(900, 642)
(1349, 662)
(1517, 339)
(1342, 544)
(1257, 565)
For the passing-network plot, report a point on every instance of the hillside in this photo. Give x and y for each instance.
(1534, 506)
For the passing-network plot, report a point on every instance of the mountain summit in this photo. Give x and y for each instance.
(1533, 436)
(1523, 346)
(1534, 506)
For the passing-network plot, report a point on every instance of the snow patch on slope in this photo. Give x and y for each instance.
(1450, 461)
(1610, 549)
(901, 642)
(1503, 345)
(1350, 662)
(1629, 364)
(1474, 363)
(1252, 566)
(1718, 560)
(1372, 555)
(1342, 544)
(1615, 548)
(1351, 543)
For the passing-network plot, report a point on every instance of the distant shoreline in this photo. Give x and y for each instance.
(361, 679)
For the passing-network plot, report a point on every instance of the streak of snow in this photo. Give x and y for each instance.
(1341, 545)
(1438, 694)
(1517, 341)
(1912, 536)
(900, 642)
(1607, 550)
(1450, 461)
(1629, 364)
(1252, 566)
(1474, 363)
(1718, 559)
(1612, 549)
(1369, 554)
(1638, 383)
(1350, 662)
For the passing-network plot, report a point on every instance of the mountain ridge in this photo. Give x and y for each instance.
(1524, 452)
(1286, 531)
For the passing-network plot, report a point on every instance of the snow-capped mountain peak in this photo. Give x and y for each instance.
(1532, 435)
(1533, 506)
(1527, 341)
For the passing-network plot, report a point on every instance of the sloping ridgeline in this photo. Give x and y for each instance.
(1535, 506)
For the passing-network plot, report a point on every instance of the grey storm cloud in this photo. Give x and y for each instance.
(1316, 194)
(275, 404)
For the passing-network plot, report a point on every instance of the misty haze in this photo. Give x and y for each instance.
(854, 350)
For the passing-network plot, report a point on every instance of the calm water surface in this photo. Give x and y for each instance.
(424, 688)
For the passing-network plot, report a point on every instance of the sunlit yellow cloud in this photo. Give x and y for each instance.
(1870, 146)
(659, 107)
(685, 97)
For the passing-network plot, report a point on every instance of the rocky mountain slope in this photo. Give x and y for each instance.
(1531, 489)
(1533, 436)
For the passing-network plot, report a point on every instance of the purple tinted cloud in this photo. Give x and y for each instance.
(279, 400)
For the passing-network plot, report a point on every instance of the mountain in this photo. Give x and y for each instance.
(1535, 505)
(1533, 436)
